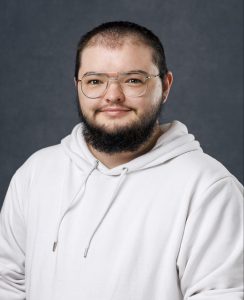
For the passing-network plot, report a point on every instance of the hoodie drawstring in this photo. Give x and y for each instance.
(121, 179)
(77, 196)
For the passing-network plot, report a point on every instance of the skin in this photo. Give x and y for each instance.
(114, 109)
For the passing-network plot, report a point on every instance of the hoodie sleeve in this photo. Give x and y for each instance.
(12, 246)
(210, 258)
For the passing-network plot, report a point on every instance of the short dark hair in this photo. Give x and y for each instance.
(110, 33)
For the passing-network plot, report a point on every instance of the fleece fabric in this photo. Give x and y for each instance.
(164, 226)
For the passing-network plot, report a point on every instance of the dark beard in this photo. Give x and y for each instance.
(128, 138)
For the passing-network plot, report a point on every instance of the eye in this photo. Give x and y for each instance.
(94, 82)
(134, 81)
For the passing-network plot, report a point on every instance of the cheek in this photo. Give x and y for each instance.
(154, 93)
(159, 88)
(151, 100)
(143, 106)
(86, 104)
(156, 96)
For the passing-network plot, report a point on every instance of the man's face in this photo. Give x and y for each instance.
(114, 111)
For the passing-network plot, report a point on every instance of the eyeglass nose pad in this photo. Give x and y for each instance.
(114, 79)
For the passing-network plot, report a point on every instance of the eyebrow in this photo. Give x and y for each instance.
(128, 72)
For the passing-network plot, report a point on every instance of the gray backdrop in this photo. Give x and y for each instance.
(203, 40)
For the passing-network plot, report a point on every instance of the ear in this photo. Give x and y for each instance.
(167, 83)
(75, 82)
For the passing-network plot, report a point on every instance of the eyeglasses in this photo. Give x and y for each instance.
(133, 84)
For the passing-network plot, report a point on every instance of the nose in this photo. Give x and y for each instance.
(114, 91)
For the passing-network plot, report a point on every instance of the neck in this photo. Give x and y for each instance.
(116, 159)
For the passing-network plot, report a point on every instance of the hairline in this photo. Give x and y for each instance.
(104, 41)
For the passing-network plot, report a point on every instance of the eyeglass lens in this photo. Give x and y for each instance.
(132, 84)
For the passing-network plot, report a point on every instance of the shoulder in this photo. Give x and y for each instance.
(196, 172)
(45, 160)
(197, 164)
(45, 156)
(206, 179)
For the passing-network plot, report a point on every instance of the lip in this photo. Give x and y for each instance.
(114, 109)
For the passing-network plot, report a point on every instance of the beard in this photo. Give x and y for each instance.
(128, 138)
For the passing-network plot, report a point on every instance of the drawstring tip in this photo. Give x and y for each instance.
(54, 246)
(85, 253)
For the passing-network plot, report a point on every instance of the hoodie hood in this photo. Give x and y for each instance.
(174, 142)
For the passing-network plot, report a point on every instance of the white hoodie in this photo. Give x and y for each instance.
(165, 226)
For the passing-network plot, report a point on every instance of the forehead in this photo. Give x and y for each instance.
(126, 56)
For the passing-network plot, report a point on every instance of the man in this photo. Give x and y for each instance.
(124, 208)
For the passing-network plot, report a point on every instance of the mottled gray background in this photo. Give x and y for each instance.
(203, 41)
